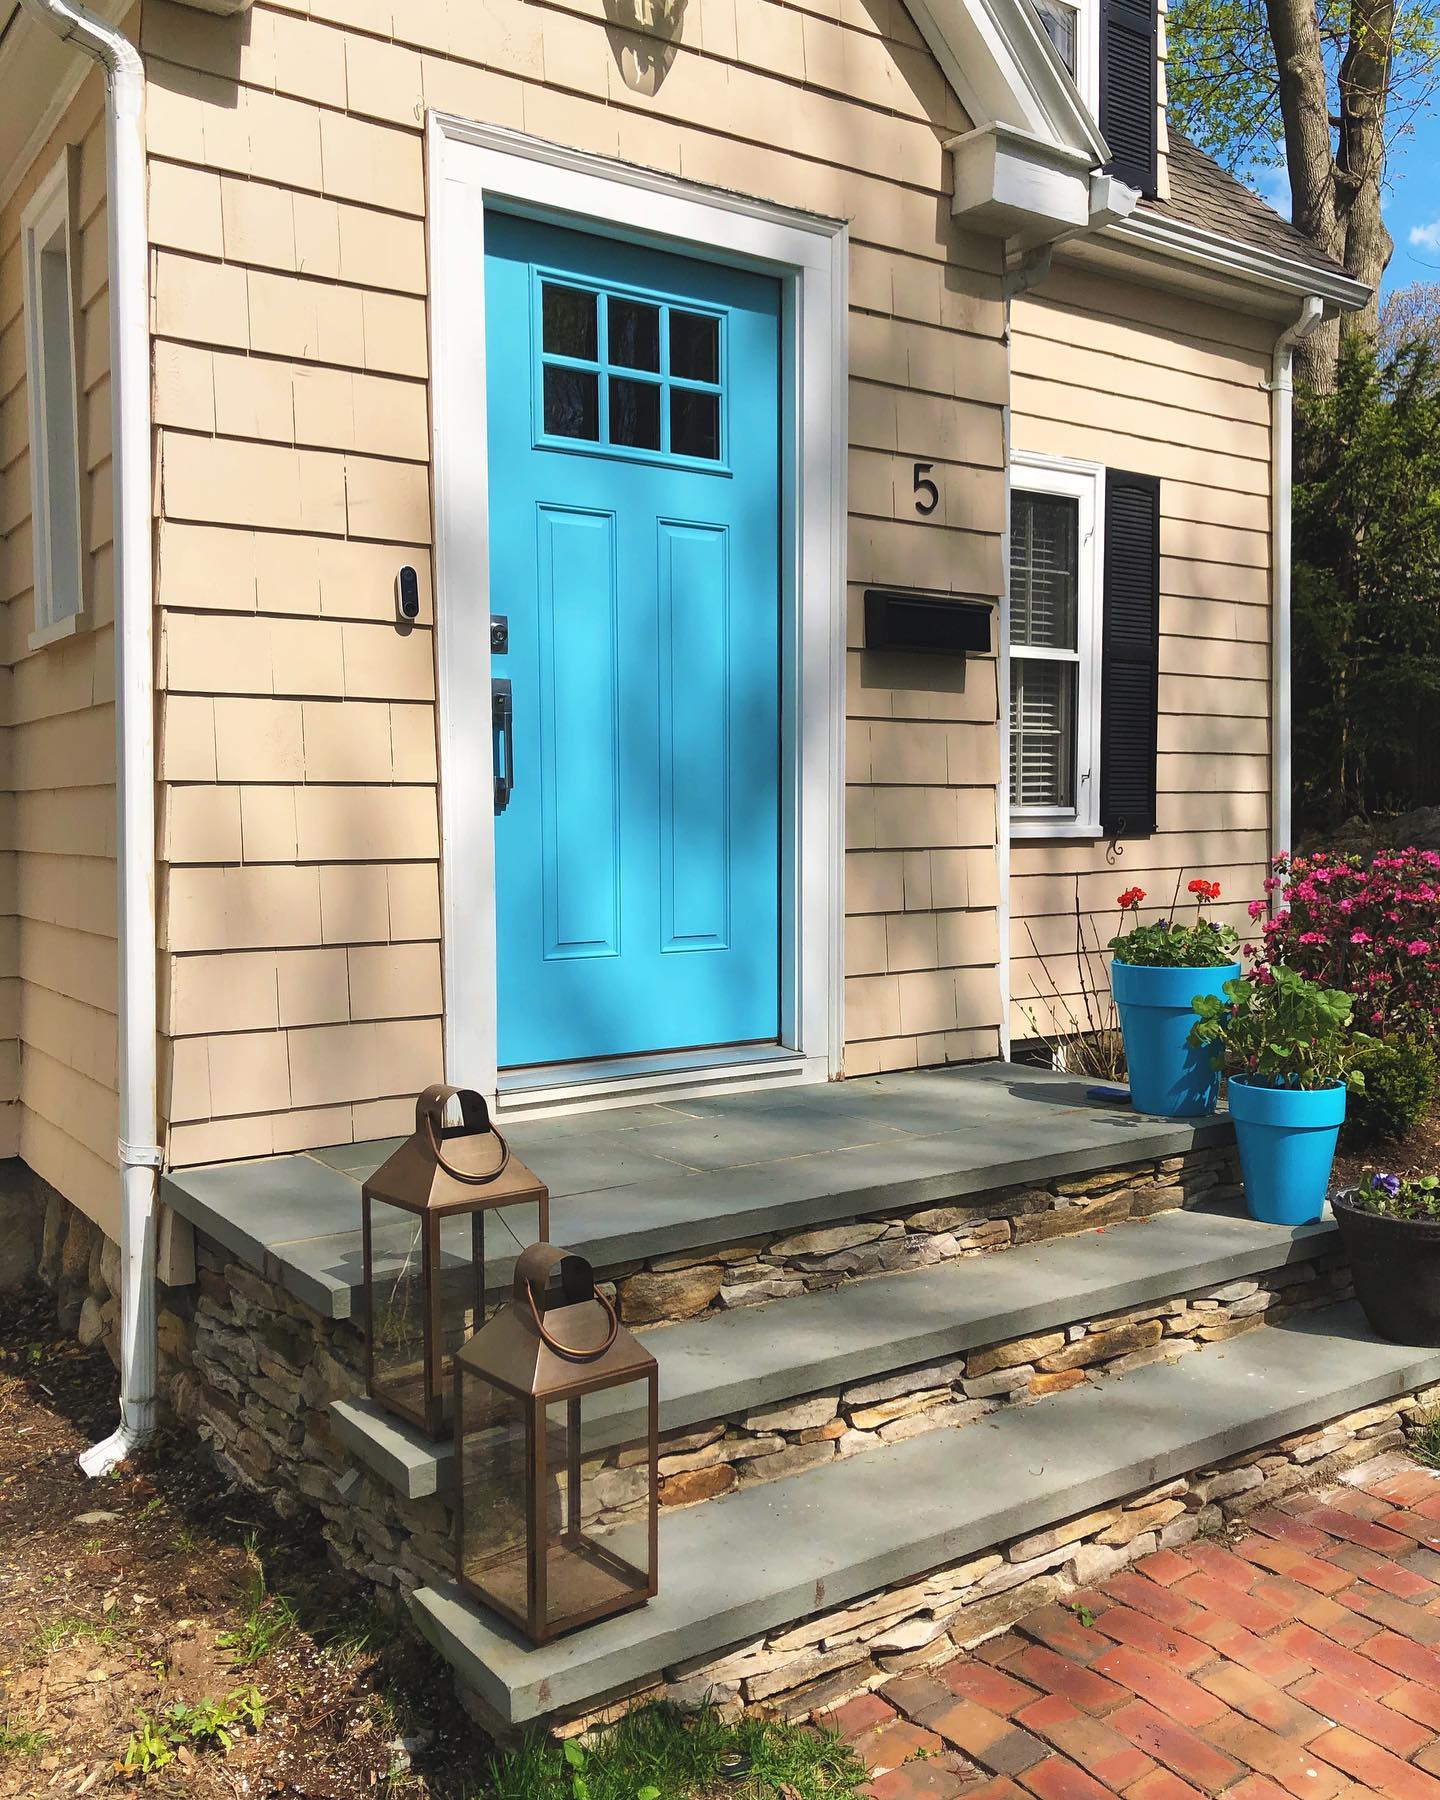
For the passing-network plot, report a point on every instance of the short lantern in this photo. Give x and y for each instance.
(427, 1277)
(557, 1443)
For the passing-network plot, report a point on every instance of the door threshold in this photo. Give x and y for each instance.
(547, 1090)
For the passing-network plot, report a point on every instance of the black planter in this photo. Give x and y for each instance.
(1396, 1265)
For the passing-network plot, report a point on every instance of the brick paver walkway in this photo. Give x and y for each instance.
(1301, 1657)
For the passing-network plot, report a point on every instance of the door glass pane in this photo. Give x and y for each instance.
(694, 346)
(694, 422)
(1044, 570)
(1042, 732)
(634, 334)
(635, 413)
(1059, 22)
(572, 402)
(569, 321)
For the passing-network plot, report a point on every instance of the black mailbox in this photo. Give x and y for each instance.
(935, 624)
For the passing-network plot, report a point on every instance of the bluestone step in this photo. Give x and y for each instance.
(647, 1181)
(762, 1557)
(735, 1361)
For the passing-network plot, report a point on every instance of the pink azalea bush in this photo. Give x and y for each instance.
(1371, 929)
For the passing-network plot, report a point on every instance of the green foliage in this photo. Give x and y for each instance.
(21, 1740)
(1396, 1197)
(208, 1725)
(1424, 1443)
(1168, 946)
(661, 1753)
(1283, 1031)
(1367, 586)
(72, 1629)
(1401, 1081)
(1222, 81)
(270, 1621)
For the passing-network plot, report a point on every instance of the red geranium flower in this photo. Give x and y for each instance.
(1205, 891)
(1130, 900)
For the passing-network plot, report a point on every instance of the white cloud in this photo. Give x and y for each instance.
(1425, 237)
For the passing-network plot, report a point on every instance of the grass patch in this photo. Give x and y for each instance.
(72, 1630)
(20, 1740)
(1424, 1444)
(270, 1620)
(661, 1753)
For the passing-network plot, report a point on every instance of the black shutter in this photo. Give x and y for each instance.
(1129, 92)
(1130, 654)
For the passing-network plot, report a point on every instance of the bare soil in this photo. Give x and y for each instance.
(1418, 1154)
(115, 1596)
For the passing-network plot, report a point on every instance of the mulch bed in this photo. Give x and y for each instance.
(1418, 1155)
(114, 1595)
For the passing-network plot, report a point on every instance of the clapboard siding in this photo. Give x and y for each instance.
(1176, 388)
(58, 1040)
(287, 200)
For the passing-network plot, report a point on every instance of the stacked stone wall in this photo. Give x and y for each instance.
(688, 1283)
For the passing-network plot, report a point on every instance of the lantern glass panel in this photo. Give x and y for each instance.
(596, 1519)
(494, 1472)
(397, 1306)
(461, 1278)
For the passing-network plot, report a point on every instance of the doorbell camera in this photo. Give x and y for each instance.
(409, 587)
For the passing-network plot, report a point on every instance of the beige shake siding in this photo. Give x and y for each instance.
(57, 737)
(301, 878)
(1137, 379)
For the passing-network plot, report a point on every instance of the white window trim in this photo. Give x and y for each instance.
(1084, 482)
(469, 164)
(47, 219)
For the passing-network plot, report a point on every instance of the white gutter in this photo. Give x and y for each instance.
(129, 272)
(1282, 412)
(1183, 242)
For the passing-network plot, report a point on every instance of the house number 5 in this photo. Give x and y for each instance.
(927, 495)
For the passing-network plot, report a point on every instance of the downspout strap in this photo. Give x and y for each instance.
(139, 1156)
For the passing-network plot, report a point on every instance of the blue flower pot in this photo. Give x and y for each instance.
(1287, 1139)
(1167, 1075)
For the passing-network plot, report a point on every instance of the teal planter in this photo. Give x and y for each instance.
(1167, 1075)
(1287, 1138)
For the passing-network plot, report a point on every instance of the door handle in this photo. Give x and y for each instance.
(502, 734)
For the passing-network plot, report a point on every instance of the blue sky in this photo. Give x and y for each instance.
(1412, 203)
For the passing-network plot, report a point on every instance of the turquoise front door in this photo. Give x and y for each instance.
(634, 402)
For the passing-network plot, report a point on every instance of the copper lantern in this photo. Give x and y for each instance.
(430, 1268)
(557, 1447)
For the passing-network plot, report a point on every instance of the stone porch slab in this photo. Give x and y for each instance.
(757, 1355)
(765, 1556)
(646, 1180)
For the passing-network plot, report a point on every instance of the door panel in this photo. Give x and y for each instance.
(634, 506)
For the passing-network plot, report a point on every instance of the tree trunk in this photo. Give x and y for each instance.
(1335, 189)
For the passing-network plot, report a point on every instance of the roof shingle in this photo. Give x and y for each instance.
(1203, 194)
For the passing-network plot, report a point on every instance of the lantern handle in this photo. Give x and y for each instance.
(579, 1356)
(431, 1106)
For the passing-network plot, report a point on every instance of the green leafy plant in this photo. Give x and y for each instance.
(1167, 944)
(1396, 1197)
(1282, 1031)
(208, 1725)
(1402, 1078)
(1082, 1613)
(21, 1740)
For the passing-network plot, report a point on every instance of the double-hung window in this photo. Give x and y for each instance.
(1055, 598)
(48, 265)
(1070, 26)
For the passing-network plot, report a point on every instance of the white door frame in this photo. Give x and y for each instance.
(470, 165)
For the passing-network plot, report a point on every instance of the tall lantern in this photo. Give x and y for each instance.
(427, 1277)
(557, 1443)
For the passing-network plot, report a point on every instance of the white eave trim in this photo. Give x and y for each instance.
(1149, 232)
(997, 58)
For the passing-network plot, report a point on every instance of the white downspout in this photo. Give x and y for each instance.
(129, 273)
(1282, 409)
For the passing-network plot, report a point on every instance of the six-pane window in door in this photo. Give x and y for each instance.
(1044, 649)
(627, 372)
